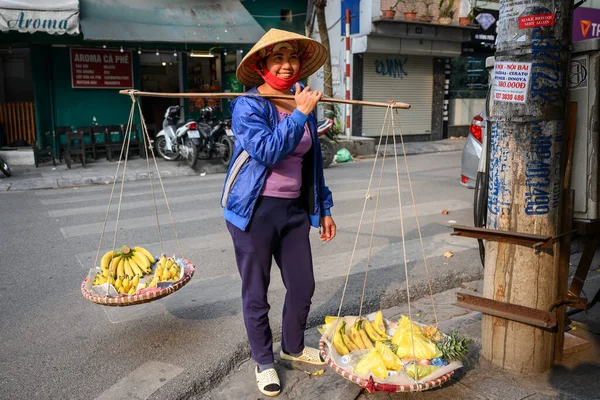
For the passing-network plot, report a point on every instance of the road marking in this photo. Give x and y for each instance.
(141, 382)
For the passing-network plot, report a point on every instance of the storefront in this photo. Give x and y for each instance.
(404, 61)
(69, 68)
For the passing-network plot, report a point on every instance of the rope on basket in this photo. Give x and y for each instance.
(389, 122)
(125, 150)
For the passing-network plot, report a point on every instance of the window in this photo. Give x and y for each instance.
(469, 77)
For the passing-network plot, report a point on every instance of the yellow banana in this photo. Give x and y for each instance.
(174, 272)
(163, 261)
(132, 290)
(142, 261)
(121, 267)
(347, 340)
(371, 332)
(125, 285)
(128, 270)
(146, 254)
(338, 343)
(363, 335)
(105, 273)
(106, 259)
(379, 325)
(169, 263)
(356, 338)
(166, 274)
(135, 281)
(154, 281)
(119, 283)
(135, 267)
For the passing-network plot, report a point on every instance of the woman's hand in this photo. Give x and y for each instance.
(306, 100)
(327, 228)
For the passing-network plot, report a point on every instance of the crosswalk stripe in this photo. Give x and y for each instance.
(221, 239)
(141, 382)
(132, 204)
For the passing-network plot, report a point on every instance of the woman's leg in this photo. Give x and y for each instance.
(253, 253)
(294, 258)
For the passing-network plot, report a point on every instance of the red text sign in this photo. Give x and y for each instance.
(98, 68)
(534, 21)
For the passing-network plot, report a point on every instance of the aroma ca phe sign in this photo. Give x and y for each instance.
(58, 21)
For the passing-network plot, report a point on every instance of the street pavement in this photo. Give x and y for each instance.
(58, 345)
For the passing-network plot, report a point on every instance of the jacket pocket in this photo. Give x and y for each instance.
(239, 162)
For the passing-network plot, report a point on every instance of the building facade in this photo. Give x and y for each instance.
(396, 58)
(64, 61)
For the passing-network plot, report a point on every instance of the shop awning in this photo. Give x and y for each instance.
(50, 16)
(183, 21)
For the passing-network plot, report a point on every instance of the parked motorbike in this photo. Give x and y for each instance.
(193, 140)
(178, 139)
(4, 168)
(216, 137)
(326, 140)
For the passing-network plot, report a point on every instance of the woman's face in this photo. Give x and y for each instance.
(283, 63)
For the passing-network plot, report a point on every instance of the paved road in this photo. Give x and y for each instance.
(58, 345)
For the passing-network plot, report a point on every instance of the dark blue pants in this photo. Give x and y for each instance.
(279, 229)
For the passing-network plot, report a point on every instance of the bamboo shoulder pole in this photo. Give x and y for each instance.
(137, 93)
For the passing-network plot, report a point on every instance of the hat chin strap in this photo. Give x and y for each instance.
(275, 82)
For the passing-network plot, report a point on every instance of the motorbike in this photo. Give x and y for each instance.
(193, 140)
(177, 139)
(4, 168)
(326, 140)
(216, 137)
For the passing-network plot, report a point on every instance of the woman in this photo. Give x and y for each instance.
(274, 191)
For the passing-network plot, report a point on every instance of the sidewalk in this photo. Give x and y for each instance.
(575, 378)
(102, 172)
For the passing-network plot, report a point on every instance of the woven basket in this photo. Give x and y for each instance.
(371, 386)
(142, 296)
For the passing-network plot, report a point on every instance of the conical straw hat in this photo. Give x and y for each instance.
(312, 55)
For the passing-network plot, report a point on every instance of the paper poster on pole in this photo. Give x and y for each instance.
(511, 81)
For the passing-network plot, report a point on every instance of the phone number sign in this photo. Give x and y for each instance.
(511, 81)
(98, 68)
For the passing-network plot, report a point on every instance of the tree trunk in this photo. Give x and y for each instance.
(524, 193)
(324, 35)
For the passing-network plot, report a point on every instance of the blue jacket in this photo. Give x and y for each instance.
(261, 142)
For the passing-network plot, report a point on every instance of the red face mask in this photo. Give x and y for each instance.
(275, 82)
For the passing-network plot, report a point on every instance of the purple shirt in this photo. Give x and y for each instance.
(284, 179)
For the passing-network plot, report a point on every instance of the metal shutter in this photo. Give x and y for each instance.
(415, 87)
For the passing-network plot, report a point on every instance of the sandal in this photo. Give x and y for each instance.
(309, 355)
(268, 382)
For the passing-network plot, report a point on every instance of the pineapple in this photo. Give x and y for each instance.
(454, 346)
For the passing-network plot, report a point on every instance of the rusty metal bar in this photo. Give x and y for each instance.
(523, 239)
(526, 315)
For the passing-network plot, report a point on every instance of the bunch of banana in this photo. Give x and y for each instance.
(167, 270)
(379, 325)
(128, 262)
(338, 341)
(372, 333)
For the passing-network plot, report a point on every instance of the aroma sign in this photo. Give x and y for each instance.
(59, 21)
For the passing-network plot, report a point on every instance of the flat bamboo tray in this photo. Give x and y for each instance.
(143, 295)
